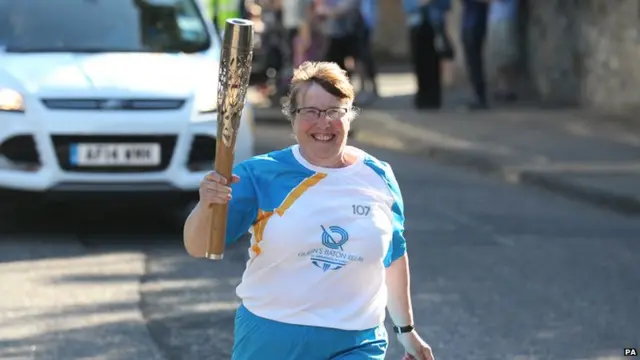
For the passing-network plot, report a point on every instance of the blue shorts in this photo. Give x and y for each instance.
(257, 338)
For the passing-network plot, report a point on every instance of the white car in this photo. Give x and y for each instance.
(109, 96)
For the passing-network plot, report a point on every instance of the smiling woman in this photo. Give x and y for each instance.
(320, 108)
(327, 253)
(102, 26)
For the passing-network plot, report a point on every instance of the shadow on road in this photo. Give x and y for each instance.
(193, 317)
(178, 301)
(131, 226)
(82, 342)
(174, 299)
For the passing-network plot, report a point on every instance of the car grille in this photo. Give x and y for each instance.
(20, 149)
(62, 148)
(114, 104)
(202, 153)
(203, 149)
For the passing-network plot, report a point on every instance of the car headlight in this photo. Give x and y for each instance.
(11, 100)
(206, 104)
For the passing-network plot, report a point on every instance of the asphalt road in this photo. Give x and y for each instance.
(498, 272)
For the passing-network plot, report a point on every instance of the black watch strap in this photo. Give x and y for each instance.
(403, 329)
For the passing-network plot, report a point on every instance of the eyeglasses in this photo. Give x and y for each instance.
(314, 113)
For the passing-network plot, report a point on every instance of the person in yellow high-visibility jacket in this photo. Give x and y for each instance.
(222, 10)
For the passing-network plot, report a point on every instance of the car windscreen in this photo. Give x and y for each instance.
(102, 26)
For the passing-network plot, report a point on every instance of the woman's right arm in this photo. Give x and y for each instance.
(242, 210)
(195, 228)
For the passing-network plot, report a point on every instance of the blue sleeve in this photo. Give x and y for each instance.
(398, 246)
(243, 206)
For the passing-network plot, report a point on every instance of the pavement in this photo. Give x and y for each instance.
(60, 301)
(577, 153)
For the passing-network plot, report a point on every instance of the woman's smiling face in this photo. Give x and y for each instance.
(321, 124)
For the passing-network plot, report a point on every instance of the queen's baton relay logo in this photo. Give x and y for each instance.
(333, 255)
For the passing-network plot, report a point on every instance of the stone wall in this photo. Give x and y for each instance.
(586, 52)
(391, 39)
(580, 52)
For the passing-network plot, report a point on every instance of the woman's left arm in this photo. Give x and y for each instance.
(398, 281)
(401, 311)
(399, 288)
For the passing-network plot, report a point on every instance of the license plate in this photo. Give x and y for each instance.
(115, 154)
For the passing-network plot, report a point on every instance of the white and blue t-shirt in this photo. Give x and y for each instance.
(321, 238)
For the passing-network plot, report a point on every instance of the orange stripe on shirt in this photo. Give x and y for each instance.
(258, 229)
(264, 216)
(298, 191)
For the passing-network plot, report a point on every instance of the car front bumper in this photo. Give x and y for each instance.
(35, 155)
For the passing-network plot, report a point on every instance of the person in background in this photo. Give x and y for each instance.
(425, 60)
(474, 33)
(309, 44)
(328, 256)
(277, 49)
(503, 40)
(292, 17)
(342, 19)
(438, 10)
(364, 58)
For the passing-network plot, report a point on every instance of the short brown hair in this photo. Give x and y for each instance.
(328, 75)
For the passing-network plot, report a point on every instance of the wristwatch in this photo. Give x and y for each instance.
(403, 329)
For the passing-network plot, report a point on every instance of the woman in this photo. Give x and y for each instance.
(327, 229)
(365, 61)
(309, 44)
(474, 33)
(342, 25)
(426, 62)
(437, 12)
